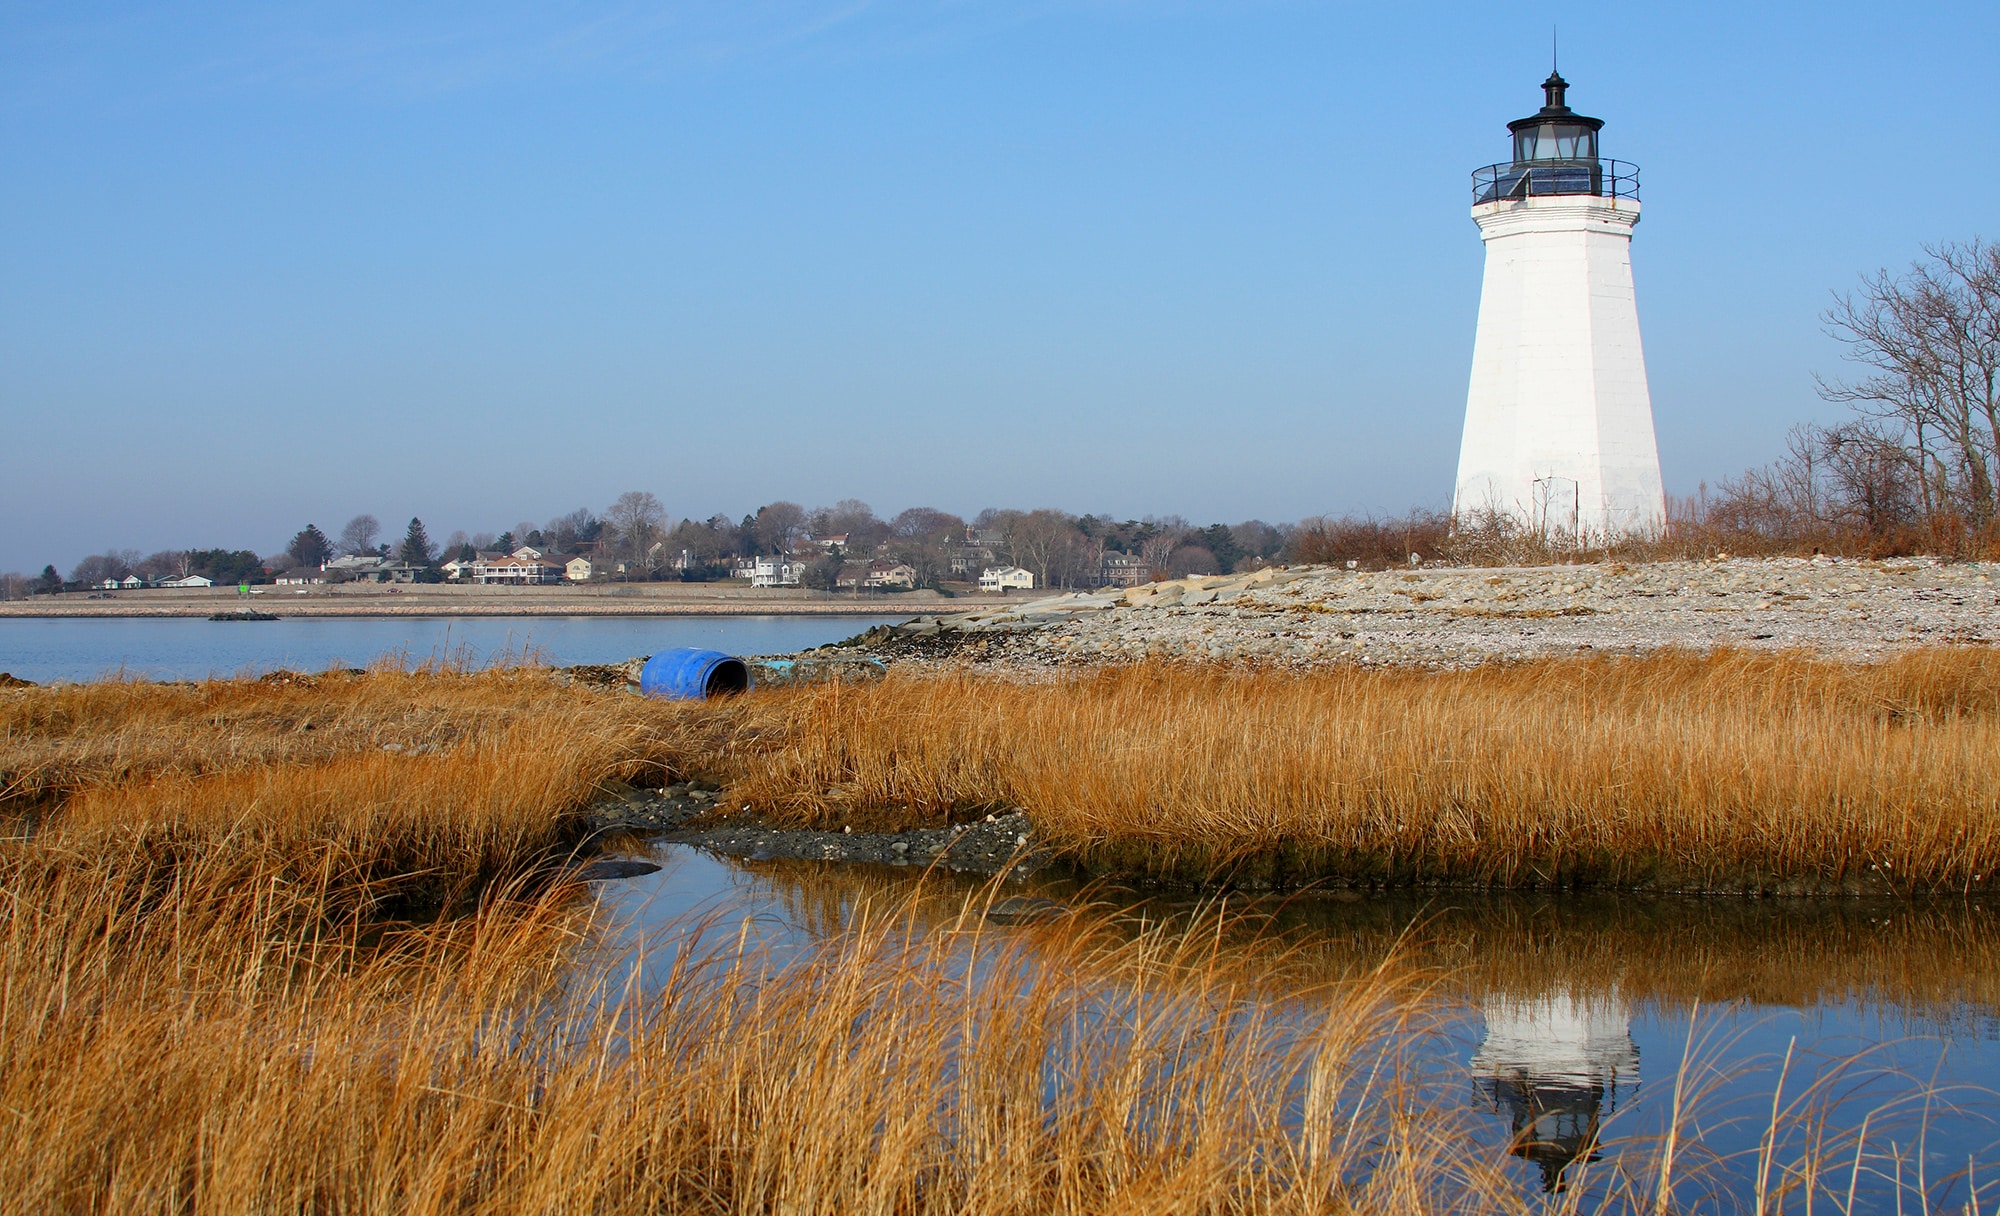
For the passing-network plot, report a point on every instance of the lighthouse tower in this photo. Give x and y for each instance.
(1558, 421)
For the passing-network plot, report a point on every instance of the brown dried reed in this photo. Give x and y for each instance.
(1727, 771)
(1730, 771)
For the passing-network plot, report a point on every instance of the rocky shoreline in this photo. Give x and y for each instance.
(682, 813)
(1315, 617)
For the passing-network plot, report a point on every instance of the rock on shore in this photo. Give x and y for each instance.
(687, 813)
(1460, 616)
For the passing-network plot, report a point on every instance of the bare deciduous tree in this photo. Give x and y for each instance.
(167, 563)
(566, 532)
(1930, 341)
(927, 526)
(359, 535)
(639, 520)
(1047, 544)
(100, 567)
(779, 526)
(1157, 549)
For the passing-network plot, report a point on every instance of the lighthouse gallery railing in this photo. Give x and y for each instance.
(1512, 180)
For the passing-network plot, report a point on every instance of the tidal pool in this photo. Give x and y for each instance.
(1573, 1031)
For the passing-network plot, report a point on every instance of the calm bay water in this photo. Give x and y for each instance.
(43, 649)
(1568, 1024)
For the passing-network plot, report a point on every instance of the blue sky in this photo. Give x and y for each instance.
(264, 264)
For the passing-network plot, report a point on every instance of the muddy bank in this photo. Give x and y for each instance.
(692, 814)
(689, 813)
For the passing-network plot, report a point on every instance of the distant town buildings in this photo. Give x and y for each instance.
(877, 559)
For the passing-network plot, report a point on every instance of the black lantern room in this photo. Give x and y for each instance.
(1555, 132)
(1555, 152)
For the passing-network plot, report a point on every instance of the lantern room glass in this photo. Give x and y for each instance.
(1555, 141)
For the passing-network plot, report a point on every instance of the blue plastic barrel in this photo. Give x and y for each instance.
(686, 673)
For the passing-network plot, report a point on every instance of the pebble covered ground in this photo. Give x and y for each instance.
(1461, 616)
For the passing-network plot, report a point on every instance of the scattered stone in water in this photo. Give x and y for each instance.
(1016, 909)
(605, 869)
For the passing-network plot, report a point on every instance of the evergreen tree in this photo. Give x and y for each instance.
(51, 581)
(1219, 540)
(417, 547)
(310, 547)
(504, 542)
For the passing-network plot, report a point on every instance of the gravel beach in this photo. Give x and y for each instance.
(1459, 616)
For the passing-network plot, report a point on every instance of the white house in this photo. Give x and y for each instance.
(577, 570)
(513, 570)
(1006, 578)
(776, 572)
(190, 580)
(297, 576)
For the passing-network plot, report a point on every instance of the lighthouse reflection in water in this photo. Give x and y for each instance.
(1554, 1067)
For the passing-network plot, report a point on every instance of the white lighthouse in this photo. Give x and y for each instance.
(1558, 421)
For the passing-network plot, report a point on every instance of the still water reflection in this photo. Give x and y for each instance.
(1574, 1028)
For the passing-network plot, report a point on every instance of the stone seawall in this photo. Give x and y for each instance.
(1454, 617)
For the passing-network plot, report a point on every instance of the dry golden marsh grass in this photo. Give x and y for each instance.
(1731, 771)
(306, 945)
